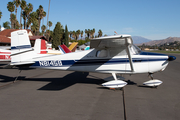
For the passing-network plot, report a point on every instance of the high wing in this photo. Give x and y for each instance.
(114, 42)
(111, 41)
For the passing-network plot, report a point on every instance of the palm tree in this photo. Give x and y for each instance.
(35, 27)
(43, 28)
(47, 34)
(77, 34)
(0, 15)
(16, 3)
(29, 10)
(32, 17)
(74, 34)
(6, 25)
(70, 34)
(88, 32)
(100, 33)
(11, 8)
(85, 32)
(49, 24)
(26, 13)
(41, 13)
(23, 6)
(92, 34)
(13, 20)
(81, 34)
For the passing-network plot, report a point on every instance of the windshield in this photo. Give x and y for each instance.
(134, 49)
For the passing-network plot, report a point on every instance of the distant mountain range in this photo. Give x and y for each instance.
(136, 39)
(139, 39)
(161, 42)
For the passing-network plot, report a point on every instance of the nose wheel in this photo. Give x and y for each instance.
(153, 82)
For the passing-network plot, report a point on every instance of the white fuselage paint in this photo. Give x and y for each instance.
(87, 61)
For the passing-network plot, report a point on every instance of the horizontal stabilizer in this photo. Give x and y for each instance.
(22, 63)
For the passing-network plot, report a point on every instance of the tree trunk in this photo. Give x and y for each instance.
(21, 19)
(39, 21)
(25, 23)
(11, 21)
(16, 17)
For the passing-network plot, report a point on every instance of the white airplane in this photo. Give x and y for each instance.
(111, 54)
(40, 49)
(5, 55)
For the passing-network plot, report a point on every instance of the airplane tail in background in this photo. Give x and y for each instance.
(61, 49)
(20, 42)
(21, 49)
(5, 55)
(40, 46)
(64, 49)
(73, 46)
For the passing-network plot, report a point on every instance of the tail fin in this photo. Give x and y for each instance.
(73, 46)
(61, 49)
(65, 48)
(40, 46)
(20, 41)
(20, 46)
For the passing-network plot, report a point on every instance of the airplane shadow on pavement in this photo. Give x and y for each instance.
(4, 79)
(66, 81)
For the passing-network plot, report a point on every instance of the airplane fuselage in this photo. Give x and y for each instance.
(88, 61)
(111, 54)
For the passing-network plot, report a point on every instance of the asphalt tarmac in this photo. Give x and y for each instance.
(62, 95)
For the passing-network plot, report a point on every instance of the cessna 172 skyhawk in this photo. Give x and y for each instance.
(111, 54)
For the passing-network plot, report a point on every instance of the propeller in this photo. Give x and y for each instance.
(171, 58)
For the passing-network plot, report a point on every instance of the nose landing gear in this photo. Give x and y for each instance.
(153, 82)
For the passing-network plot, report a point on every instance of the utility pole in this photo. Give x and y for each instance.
(48, 15)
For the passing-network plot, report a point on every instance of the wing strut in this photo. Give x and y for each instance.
(114, 76)
(129, 55)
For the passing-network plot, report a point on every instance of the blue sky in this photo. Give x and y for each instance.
(152, 19)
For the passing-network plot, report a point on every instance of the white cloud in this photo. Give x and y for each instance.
(128, 30)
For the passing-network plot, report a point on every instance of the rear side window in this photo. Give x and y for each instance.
(101, 53)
